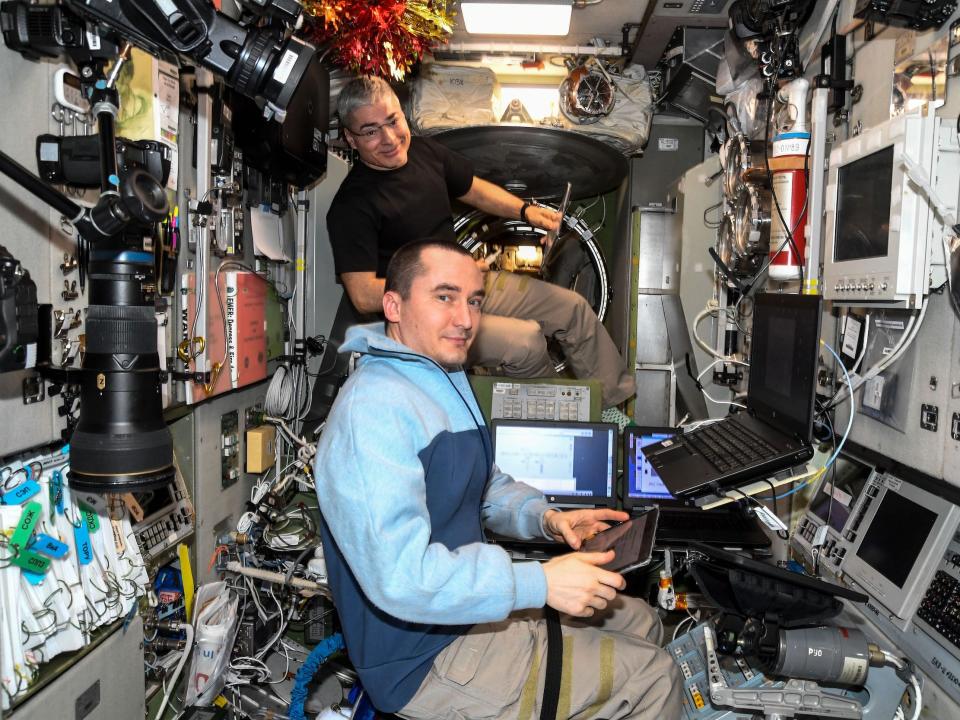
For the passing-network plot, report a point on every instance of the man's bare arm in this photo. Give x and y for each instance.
(365, 290)
(495, 200)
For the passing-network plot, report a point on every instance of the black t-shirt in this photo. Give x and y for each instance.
(375, 212)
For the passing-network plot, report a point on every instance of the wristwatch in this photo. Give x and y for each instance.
(523, 210)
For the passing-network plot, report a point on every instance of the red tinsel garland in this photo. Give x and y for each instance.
(378, 37)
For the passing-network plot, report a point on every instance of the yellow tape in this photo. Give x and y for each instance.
(566, 678)
(811, 286)
(186, 576)
(605, 689)
(528, 697)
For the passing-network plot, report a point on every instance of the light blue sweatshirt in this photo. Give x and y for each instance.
(405, 480)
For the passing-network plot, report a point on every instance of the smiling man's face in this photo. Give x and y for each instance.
(380, 134)
(441, 314)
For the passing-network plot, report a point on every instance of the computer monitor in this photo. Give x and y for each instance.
(783, 361)
(570, 463)
(877, 221)
(898, 539)
(642, 484)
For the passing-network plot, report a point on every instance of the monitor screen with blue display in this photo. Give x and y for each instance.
(643, 485)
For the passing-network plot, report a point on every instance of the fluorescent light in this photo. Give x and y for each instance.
(540, 101)
(520, 17)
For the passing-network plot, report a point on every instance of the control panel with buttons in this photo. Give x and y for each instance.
(830, 543)
(867, 287)
(525, 401)
(168, 519)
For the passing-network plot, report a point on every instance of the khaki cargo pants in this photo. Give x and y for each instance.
(613, 668)
(520, 312)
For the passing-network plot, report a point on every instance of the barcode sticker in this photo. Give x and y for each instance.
(285, 66)
(769, 519)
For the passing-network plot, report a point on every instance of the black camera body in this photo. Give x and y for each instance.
(76, 160)
(39, 31)
(19, 325)
(752, 18)
(775, 24)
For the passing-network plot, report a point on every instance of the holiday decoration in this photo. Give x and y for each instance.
(378, 37)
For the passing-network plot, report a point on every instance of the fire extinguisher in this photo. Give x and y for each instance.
(789, 190)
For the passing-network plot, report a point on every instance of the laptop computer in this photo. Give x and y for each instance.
(680, 522)
(572, 463)
(775, 430)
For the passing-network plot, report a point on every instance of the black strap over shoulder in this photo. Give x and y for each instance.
(554, 669)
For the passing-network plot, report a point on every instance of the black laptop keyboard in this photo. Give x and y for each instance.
(728, 445)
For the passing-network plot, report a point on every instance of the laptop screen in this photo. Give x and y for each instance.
(643, 485)
(571, 463)
(783, 361)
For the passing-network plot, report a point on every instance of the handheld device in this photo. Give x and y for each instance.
(632, 542)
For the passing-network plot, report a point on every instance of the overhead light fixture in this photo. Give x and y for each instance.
(517, 17)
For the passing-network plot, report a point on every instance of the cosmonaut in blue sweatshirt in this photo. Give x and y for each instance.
(406, 484)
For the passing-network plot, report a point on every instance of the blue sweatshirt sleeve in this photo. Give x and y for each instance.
(370, 484)
(513, 509)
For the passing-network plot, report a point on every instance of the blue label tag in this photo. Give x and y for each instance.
(56, 491)
(51, 547)
(32, 577)
(21, 493)
(84, 549)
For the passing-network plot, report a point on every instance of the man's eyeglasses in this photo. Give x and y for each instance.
(374, 132)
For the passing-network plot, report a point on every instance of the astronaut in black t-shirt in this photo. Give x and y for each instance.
(401, 191)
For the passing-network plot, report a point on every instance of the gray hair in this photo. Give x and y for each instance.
(359, 92)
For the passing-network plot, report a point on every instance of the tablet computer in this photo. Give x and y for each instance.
(631, 541)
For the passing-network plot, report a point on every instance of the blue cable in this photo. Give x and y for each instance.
(846, 433)
(319, 655)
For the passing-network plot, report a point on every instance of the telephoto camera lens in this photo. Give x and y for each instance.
(121, 442)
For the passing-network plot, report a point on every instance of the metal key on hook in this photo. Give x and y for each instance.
(83, 122)
(64, 117)
(69, 263)
(64, 321)
(57, 113)
(59, 331)
(69, 291)
(63, 349)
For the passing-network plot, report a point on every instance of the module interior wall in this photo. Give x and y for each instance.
(934, 375)
(27, 231)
